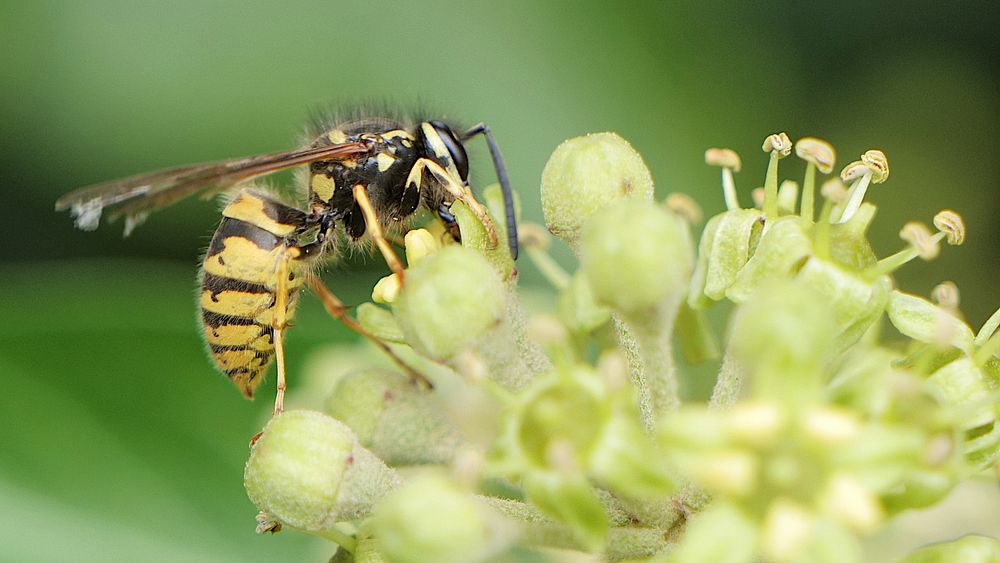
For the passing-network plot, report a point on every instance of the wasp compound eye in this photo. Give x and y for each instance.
(455, 148)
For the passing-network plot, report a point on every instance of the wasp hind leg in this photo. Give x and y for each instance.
(336, 308)
(456, 190)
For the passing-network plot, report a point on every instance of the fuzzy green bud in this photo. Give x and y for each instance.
(395, 419)
(308, 471)
(451, 297)
(585, 175)
(635, 255)
(969, 549)
(783, 335)
(431, 519)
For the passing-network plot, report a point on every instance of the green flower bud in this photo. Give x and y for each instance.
(969, 549)
(783, 335)
(308, 471)
(380, 323)
(635, 255)
(570, 499)
(392, 417)
(919, 489)
(451, 298)
(961, 383)
(431, 519)
(578, 308)
(587, 174)
(783, 249)
(701, 540)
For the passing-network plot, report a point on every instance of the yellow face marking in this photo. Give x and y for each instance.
(390, 135)
(323, 186)
(243, 260)
(385, 161)
(407, 143)
(337, 136)
(239, 335)
(235, 303)
(438, 148)
(250, 208)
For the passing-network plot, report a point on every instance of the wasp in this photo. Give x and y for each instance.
(365, 176)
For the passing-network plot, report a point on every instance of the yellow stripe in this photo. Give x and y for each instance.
(243, 260)
(250, 208)
(239, 335)
(231, 359)
(236, 303)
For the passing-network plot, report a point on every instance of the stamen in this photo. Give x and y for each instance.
(872, 168)
(818, 154)
(730, 162)
(951, 224)
(780, 146)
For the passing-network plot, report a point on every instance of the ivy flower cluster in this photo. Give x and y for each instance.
(554, 428)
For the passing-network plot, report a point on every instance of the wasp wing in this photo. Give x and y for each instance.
(136, 196)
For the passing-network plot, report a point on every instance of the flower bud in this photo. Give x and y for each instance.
(635, 255)
(431, 519)
(307, 470)
(451, 298)
(968, 549)
(787, 530)
(783, 334)
(392, 417)
(386, 289)
(849, 502)
(419, 243)
(587, 174)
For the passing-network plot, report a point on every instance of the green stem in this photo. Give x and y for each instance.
(987, 350)
(344, 539)
(729, 383)
(822, 240)
(550, 269)
(647, 340)
(989, 327)
(890, 264)
(855, 198)
(808, 193)
(771, 188)
(729, 189)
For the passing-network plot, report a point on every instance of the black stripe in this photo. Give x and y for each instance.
(218, 284)
(216, 320)
(281, 213)
(230, 227)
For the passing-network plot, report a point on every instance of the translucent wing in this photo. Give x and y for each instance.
(136, 196)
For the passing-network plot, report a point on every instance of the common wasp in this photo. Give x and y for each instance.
(366, 175)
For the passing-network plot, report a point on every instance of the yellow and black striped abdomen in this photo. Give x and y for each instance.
(239, 284)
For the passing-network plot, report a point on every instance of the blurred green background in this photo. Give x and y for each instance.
(118, 440)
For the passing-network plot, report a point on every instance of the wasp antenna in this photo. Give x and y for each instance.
(501, 168)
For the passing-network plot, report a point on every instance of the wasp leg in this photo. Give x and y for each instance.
(336, 308)
(501, 169)
(279, 323)
(456, 190)
(375, 231)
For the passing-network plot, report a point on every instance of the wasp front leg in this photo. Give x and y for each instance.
(455, 189)
(374, 228)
